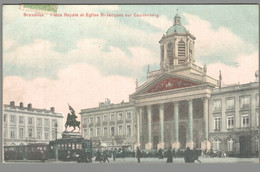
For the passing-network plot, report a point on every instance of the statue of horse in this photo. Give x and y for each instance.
(74, 125)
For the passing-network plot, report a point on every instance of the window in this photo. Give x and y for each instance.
(120, 130)
(46, 133)
(257, 119)
(30, 132)
(217, 123)
(53, 134)
(85, 132)
(181, 49)
(128, 130)
(30, 120)
(12, 132)
(112, 117)
(5, 117)
(39, 133)
(245, 102)
(105, 131)
(230, 122)
(112, 131)
(105, 118)
(169, 50)
(257, 100)
(91, 119)
(46, 122)
(85, 120)
(21, 132)
(12, 119)
(215, 144)
(128, 115)
(39, 122)
(230, 144)
(120, 116)
(245, 121)
(21, 120)
(98, 118)
(230, 103)
(217, 105)
(91, 132)
(53, 123)
(98, 132)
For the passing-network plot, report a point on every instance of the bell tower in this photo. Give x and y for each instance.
(177, 46)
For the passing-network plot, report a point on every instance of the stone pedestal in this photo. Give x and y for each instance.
(160, 145)
(190, 144)
(148, 146)
(205, 145)
(176, 145)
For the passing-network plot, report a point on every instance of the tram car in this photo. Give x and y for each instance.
(35, 151)
(71, 149)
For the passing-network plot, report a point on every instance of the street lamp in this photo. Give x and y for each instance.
(55, 145)
(56, 128)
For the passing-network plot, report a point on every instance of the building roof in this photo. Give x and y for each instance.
(177, 28)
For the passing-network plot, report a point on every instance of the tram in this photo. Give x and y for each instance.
(71, 149)
(35, 151)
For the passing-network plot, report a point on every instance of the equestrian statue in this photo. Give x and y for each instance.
(71, 120)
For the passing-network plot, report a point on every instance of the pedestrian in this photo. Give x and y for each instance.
(169, 155)
(173, 153)
(196, 155)
(188, 156)
(114, 154)
(98, 156)
(138, 154)
(105, 156)
(160, 153)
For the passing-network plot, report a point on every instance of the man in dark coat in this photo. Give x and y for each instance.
(138, 154)
(160, 153)
(169, 155)
(173, 153)
(114, 154)
(105, 156)
(188, 156)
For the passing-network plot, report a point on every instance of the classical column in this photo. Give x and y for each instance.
(190, 142)
(161, 144)
(176, 143)
(205, 143)
(149, 113)
(138, 126)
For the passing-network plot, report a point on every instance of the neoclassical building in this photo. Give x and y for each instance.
(110, 125)
(180, 105)
(172, 105)
(23, 125)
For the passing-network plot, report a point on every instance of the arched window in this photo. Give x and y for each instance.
(216, 144)
(230, 144)
(181, 49)
(169, 50)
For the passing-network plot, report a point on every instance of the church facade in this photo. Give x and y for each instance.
(175, 107)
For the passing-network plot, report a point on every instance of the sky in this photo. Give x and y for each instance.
(51, 61)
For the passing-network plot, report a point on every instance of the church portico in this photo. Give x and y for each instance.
(173, 124)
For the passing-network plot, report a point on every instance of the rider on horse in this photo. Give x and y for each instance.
(71, 119)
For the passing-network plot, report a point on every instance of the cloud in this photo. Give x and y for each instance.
(243, 73)
(162, 22)
(81, 85)
(41, 53)
(220, 45)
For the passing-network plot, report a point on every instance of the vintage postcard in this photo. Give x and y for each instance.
(130, 84)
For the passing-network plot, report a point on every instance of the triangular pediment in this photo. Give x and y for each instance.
(170, 83)
(166, 82)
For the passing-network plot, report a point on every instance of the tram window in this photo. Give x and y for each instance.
(73, 146)
(51, 147)
(65, 146)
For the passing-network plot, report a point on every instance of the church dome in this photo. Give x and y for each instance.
(176, 29)
(177, 26)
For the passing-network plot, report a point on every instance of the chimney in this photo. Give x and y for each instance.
(12, 103)
(52, 109)
(21, 104)
(29, 106)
